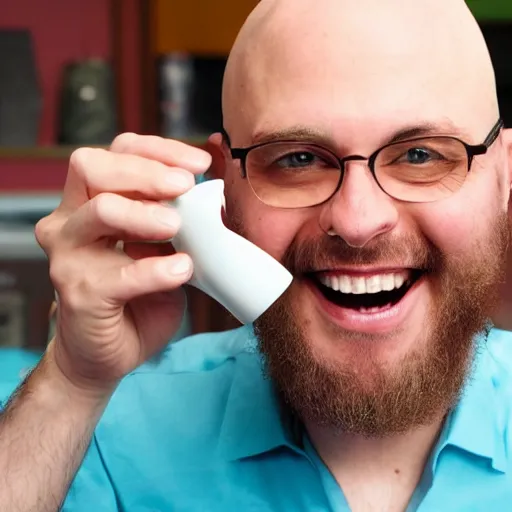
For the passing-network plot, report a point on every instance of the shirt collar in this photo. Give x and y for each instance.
(255, 423)
(474, 425)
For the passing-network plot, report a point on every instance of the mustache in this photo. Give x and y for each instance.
(327, 252)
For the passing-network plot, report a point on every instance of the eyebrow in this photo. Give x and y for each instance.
(425, 130)
(305, 134)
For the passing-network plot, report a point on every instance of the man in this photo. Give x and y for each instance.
(362, 149)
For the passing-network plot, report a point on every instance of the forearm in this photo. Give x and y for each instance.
(44, 433)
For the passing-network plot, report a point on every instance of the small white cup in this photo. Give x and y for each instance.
(236, 273)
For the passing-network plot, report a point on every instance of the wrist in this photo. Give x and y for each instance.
(77, 386)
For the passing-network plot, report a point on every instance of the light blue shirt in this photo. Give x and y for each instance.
(201, 430)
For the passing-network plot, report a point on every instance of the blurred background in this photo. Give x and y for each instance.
(77, 72)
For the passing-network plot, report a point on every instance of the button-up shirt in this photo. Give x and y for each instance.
(200, 429)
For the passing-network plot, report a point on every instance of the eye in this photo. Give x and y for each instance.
(302, 159)
(418, 156)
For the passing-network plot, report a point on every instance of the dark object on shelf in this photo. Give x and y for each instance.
(498, 36)
(190, 95)
(88, 112)
(20, 96)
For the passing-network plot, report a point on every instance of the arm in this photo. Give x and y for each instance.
(44, 433)
(116, 309)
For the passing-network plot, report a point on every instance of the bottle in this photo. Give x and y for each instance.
(176, 92)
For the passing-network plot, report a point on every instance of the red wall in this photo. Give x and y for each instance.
(32, 175)
(63, 31)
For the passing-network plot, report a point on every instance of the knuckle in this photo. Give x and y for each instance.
(47, 230)
(75, 288)
(124, 142)
(139, 209)
(127, 274)
(79, 158)
(60, 272)
(103, 206)
(136, 216)
(76, 297)
(84, 162)
(42, 232)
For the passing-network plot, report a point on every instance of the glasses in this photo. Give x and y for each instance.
(288, 174)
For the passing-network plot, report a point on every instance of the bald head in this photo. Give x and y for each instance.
(344, 64)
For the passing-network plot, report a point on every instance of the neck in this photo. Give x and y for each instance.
(503, 317)
(390, 468)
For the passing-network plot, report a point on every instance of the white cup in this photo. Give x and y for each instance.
(236, 273)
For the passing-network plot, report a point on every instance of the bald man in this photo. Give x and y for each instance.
(362, 148)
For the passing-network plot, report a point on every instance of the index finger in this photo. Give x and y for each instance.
(167, 151)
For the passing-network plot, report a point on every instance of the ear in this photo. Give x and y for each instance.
(216, 146)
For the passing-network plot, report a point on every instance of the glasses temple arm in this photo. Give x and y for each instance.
(494, 134)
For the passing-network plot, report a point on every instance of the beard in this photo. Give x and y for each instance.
(363, 395)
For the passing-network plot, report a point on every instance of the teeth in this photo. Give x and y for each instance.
(399, 280)
(360, 285)
(388, 282)
(373, 284)
(345, 284)
(371, 311)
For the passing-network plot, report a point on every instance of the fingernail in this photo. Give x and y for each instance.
(204, 160)
(167, 216)
(181, 180)
(180, 264)
(200, 160)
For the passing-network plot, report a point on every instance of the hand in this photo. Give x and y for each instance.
(117, 308)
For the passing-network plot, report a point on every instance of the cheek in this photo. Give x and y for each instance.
(271, 229)
(456, 225)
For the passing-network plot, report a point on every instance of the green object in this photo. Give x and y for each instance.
(491, 9)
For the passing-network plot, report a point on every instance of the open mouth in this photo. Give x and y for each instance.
(366, 294)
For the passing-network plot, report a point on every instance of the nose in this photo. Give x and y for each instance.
(360, 211)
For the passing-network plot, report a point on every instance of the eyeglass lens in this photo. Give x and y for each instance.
(298, 175)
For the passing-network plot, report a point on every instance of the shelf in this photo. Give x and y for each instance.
(37, 152)
(62, 152)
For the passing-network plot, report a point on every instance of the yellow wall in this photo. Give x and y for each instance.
(197, 26)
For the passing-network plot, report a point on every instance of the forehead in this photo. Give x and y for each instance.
(361, 75)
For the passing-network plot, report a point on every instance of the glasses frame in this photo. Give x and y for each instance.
(471, 150)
